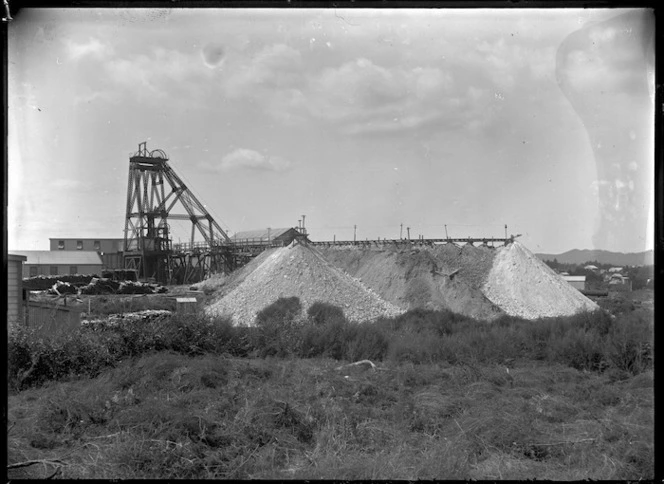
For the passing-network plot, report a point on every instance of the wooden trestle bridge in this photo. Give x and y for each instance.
(488, 242)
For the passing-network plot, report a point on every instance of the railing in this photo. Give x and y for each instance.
(377, 242)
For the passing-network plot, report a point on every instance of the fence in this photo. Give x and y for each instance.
(50, 319)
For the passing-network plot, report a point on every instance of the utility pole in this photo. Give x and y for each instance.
(354, 233)
(408, 230)
(304, 231)
(446, 236)
(505, 230)
(401, 231)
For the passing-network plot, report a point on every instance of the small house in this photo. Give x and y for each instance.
(578, 282)
(15, 288)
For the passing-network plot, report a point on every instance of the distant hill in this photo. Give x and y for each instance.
(577, 256)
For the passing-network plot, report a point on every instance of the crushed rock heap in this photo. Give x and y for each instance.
(300, 271)
(524, 286)
(443, 276)
(480, 282)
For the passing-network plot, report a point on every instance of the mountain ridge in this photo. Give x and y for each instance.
(580, 256)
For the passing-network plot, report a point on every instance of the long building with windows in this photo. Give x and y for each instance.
(110, 250)
(57, 263)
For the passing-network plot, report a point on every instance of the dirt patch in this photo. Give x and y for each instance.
(298, 271)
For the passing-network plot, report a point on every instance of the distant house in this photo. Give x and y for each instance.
(57, 263)
(590, 267)
(620, 283)
(15, 288)
(578, 282)
(283, 236)
(615, 270)
(110, 250)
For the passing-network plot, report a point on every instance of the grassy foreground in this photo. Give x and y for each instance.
(189, 398)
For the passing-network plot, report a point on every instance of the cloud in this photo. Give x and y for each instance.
(243, 158)
(275, 67)
(361, 97)
(162, 73)
(92, 48)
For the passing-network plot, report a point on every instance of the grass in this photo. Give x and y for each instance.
(188, 397)
(173, 416)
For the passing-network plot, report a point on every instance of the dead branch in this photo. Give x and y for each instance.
(359, 363)
(563, 443)
(54, 462)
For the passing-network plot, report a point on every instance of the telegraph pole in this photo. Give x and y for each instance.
(354, 233)
(401, 231)
(505, 230)
(408, 230)
(446, 236)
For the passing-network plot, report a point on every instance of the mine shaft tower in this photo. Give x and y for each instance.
(148, 248)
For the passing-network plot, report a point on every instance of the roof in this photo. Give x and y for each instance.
(261, 234)
(590, 266)
(55, 257)
(615, 269)
(575, 278)
(115, 239)
(16, 257)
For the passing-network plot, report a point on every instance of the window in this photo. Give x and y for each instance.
(79, 245)
(54, 270)
(97, 245)
(73, 269)
(33, 271)
(61, 245)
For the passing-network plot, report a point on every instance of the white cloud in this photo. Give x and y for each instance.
(92, 48)
(362, 97)
(245, 158)
(163, 73)
(276, 66)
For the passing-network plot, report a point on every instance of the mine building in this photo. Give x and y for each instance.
(56, 263)
(110, 250)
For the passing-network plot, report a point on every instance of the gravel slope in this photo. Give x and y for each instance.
(524, 286)
(299, 271)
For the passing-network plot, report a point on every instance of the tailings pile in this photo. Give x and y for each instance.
(524, 286)
(444, 276)
(302, 272)
(480, 282)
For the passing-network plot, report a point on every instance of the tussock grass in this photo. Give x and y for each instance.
(191, 397)
(172, 416)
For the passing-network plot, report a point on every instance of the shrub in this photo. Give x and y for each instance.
(328, 339)
(321, 313)
(629, 345)
(366, 342)
(279, 333)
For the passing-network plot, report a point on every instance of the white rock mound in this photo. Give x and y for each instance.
(300, 271)
(524, 286)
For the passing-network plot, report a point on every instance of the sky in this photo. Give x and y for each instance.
(372, 123)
